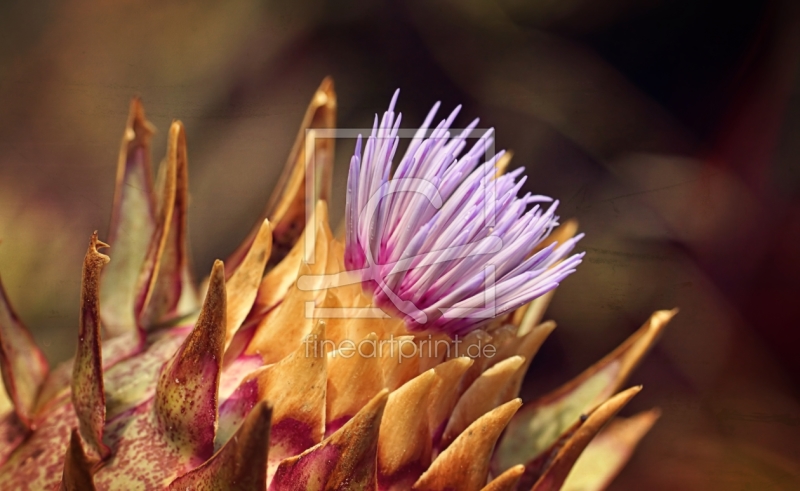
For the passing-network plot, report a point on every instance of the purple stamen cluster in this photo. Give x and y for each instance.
(446, 242)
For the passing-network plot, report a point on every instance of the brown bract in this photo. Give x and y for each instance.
(506, 481)
(486, 393)
(405, 449)
(608, 452)
(561, 463)
(240, 464)
(345, 460)
(133, 223)
(88, 393)
(540, 423)
(352, 382)
(308, 168)
(23, 365)
(465, 463)
(77, 474)
(165, 287)
(243, 284)
(186, 396)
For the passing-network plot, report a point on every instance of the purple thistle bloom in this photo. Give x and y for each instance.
(445, 242)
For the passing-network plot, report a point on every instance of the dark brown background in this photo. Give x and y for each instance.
(670, 129)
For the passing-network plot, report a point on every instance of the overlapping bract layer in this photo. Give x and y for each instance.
(445, 241)
(242, 392)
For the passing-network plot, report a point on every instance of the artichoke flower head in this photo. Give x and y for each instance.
(389, 358)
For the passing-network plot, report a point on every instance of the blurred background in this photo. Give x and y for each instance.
(669, 128)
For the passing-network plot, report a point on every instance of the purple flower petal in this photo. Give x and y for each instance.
(445, 243)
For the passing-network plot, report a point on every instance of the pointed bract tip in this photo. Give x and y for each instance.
(137, 122)
(136, 107)
(564, 460)
(664, 316)
(609, 451)
(77, 474)
(327, 83)
(356, 467)
(243, 281)
(506, 481)
(344, 460)
(325, 95)
(465, 463)
(288, 204)
(502, 163)
(296, 387)
(240, 464)
(488, 391)
(218, 268)
(176, 139)
(95, 243)
(138, 130)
